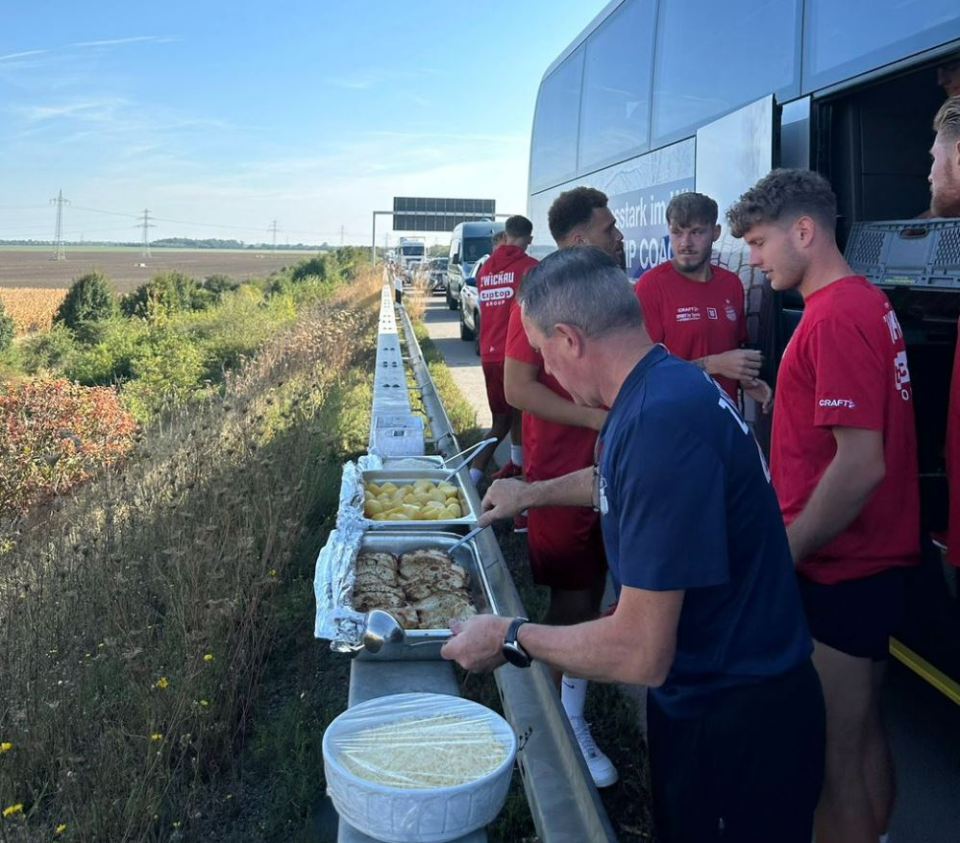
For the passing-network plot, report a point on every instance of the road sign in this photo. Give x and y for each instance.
(419, 213)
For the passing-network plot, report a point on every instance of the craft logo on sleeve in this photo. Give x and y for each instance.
(712, 313)
(688, 314)
(843, 403)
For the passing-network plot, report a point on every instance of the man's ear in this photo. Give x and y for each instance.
(573, 338)
(716, 233)
(805, 229)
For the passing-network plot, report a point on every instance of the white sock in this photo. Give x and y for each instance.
(516, 455)
(573, 695)
(884, 838)
(475, 475)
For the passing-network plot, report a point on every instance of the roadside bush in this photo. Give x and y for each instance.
(107, 359)
(7, 329)
(55, 435)
(89, 299)
(219, 285)
(49, 351)
(167, 370)
(165, 295)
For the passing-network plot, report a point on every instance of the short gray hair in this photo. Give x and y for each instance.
(581, 286)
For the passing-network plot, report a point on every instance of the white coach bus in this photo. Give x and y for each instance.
(657, 97)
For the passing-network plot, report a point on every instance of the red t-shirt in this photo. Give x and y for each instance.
(953, 460)
(497, 284)
(846, 366)
(549, 449)
(694, 319)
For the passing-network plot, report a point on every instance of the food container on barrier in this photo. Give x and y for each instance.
(418, 768)
(426, 643)
(408, 477)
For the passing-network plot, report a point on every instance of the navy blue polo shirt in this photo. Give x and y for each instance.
(686, 503)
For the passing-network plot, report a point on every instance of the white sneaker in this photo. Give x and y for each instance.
(601, 768)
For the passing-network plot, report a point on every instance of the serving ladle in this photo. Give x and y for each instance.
(382, 628)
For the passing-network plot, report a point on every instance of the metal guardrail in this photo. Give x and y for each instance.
(564, 803)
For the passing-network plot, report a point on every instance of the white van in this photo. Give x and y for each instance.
(469, 242)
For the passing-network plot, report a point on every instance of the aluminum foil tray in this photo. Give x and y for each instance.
(408, 476)
(426, 643)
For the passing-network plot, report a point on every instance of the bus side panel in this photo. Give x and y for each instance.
(638, 191)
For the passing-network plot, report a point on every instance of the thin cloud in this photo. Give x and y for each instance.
(133, 39)
(23, 55)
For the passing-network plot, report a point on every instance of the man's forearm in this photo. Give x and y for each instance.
(838, 499)
(574, 489)
(541, 401)
(593, 650)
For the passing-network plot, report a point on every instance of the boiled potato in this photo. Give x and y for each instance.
(372, 507)
(448, 489)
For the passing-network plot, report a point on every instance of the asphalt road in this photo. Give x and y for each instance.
(924, 726)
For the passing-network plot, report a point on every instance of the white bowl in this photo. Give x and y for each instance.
(423, 814)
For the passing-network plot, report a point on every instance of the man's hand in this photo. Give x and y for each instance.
(760, 392)
(740, 364)
(477, 644)
(504, 499)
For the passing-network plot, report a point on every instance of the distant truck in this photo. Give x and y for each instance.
(411, 253)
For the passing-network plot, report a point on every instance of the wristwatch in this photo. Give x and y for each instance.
(512, 651)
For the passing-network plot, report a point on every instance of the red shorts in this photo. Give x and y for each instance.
(493, 375)
(566, 547)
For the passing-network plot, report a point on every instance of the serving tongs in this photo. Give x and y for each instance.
(467, 454)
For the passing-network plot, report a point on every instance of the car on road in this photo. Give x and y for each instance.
(436, 275)
(470, 306)
(468, 242)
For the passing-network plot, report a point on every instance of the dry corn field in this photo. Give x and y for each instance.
(31, 308)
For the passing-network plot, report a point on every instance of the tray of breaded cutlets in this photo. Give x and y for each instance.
(414, 578)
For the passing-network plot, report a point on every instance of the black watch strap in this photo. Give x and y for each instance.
(513, 652)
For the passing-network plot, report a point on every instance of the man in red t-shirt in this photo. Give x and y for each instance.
(844, 465)
(559, 436)
(945, 202)
(497, 285)
(696, 309)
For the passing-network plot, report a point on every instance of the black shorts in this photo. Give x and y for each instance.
(856, 617)
(749, 770)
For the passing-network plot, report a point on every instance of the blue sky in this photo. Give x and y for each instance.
(221, 117)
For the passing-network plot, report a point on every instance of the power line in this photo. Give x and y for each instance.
(273, 228)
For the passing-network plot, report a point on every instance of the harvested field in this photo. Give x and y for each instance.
(128, 270)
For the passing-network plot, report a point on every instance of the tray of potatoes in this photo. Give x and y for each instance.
(414, 499)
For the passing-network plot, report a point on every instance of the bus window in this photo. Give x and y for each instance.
(554, 142)
(615, 115)
(713, 59)
(843, 39)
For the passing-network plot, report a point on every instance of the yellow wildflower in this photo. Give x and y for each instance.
(204, 703)
(156, 736)
(208, 657)
(60, 829)
(162, 683)
(273, 572)
(13, 809)
(6, 746)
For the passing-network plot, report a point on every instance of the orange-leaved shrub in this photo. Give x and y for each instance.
(55, 434)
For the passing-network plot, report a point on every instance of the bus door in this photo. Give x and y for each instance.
(732, 154)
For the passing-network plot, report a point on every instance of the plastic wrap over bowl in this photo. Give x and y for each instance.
(395, 767)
